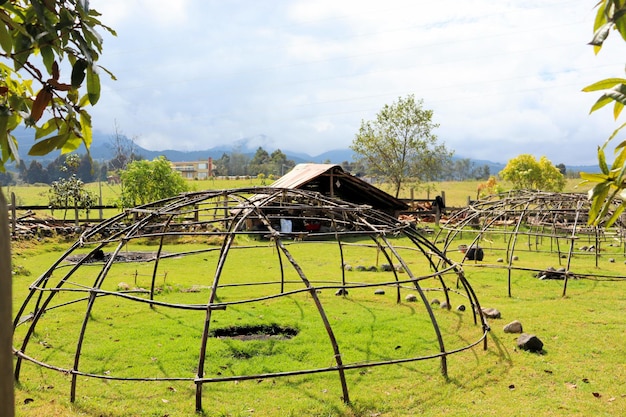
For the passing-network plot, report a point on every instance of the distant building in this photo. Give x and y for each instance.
(194, 170)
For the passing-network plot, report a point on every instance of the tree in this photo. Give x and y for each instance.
(482, 172)
(221, 165)
(71, 192)
(525, 172)
(260, 162)
(280, 163)
(238, 163)
(36, 173)
(611, 182)
(22, 170)
(38, 38)
(86, 169)
(356, 168)
(125, 151)
(6, 178)
(146, 181)
(462, 169)
(399, 144)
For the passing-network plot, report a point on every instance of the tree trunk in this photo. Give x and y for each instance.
(7, 401)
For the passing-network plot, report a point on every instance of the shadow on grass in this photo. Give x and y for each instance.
(501, 352)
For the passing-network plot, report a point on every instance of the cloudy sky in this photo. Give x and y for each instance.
(502, 77)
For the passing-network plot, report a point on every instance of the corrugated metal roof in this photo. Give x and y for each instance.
(301, 174)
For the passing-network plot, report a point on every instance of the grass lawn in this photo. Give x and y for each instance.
(581, 372)
(457, 192)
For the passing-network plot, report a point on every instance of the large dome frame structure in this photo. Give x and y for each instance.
(88, 274)
(529, 218)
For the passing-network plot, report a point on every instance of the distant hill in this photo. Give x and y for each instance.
(103, 149)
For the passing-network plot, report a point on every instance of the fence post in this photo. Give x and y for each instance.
(13, 215)
(100, 197)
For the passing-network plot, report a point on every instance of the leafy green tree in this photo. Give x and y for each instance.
(36, 173)
(239, 163)
(462, 169)
(57, 169)
(400, 144)
(260, 163)
(70, 192)
(354, 167)
(279, 163)
(86, 169)
(147, 181)
(220, 166)
(525, 172)
(6, 178)
(482, 172)
(22, 170)
(38, 38)
(611, 182)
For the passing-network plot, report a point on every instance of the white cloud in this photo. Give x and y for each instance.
(500, 76)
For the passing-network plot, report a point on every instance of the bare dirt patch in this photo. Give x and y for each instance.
(262, 332)
(100, 256)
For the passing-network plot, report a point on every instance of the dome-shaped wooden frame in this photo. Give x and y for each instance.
(525, 218)
(223, 216)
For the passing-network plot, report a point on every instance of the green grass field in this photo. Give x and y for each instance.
(581, 372)
(456, 192)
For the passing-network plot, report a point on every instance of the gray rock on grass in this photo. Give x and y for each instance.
(491, 313)
(513, 327)
(529, 342)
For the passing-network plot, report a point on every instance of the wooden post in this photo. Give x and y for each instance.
(13, 215)
(100, 199)
(7, 396)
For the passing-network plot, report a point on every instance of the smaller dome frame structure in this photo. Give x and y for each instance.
(207, 230)
(525, 218)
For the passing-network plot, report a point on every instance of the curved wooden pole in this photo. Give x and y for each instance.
(322, 313)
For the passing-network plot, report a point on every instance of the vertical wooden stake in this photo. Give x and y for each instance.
(7, 399)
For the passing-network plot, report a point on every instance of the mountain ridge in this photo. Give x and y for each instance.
(103, 149)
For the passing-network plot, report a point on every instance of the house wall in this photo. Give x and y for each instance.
(194, 169)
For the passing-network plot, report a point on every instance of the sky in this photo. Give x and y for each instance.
(501, 77)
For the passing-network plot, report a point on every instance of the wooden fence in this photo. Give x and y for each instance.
(27, 216)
